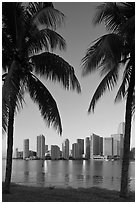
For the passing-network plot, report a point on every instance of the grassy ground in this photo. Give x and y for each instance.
(41, 194)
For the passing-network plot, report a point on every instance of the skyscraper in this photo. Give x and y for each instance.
(96, 145)
(101, 145)
(108, 146)
(120, 143)
(55, 152)
(87, 148)
(26, 149)
(41, 146)
(65, 149)
(16, 153)
(75, 151)
(80, 143)
(121, 128)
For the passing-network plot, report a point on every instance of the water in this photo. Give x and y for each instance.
(104, 174)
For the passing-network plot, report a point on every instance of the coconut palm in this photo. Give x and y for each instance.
(109, 54)
(28, 39)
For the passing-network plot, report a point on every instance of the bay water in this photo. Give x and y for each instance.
(72, 173)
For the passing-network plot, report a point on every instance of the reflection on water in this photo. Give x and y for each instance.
(104, 174)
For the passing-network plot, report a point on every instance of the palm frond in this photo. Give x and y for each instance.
(47, 105)
(57, 69)
(6, 60)
(111, 15)
(122, 92)
(43, 40)
(55, 40)
(104, 53)
(133, 104)
(108, 82)
(43, 13)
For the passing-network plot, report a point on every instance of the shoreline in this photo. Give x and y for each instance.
(22, 193)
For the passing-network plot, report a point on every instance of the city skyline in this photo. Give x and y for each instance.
(41, 142)
(97, 147)
(79, 32)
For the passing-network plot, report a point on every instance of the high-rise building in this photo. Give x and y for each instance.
(75, 151)
(96, 145)
(120, 143)
(55, 152)
(65, 149)
(41, 146)
(26, 149)
(16, 153)
(87, 148)
(108, 146)
(121, 128)
(80, 143)
(101, 145)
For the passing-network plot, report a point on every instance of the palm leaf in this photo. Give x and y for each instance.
(104, 54)
(55, 40)
(57, 69)
(43, 13)
(122, 92)
(108, 82)
(111, 15)
(43, 40)
(47, 105)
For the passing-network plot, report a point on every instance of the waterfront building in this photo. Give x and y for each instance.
(108, 146)
(101, 146)
(120, 143)
(20, 155)
(121, 128)
(65, 149)
(26, 148)
(96, 145)
(41, 146)
(87, 148)
(75, 151)
(80, 143)
(55, 152)
(46, 148)
(16, 153)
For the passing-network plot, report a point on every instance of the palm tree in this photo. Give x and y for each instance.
(109, 54)
(28, 34)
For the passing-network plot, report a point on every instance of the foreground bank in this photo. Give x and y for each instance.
(41, 194)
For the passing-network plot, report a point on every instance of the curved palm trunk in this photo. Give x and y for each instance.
(128, 120)
(9, 152)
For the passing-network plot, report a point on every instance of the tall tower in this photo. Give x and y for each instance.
(120, 143)
(26, 149)
(80, 143)
(87, 147)
(55, 152)
(108, 146)
(96, 145)
(65, 149)
(75, 151)
(41, 146)
(121, 128)
(16, 153)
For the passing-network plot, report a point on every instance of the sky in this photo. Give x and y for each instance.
(79, 33)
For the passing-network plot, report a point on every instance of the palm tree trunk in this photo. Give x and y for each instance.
(128, 120)
(9, 152)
